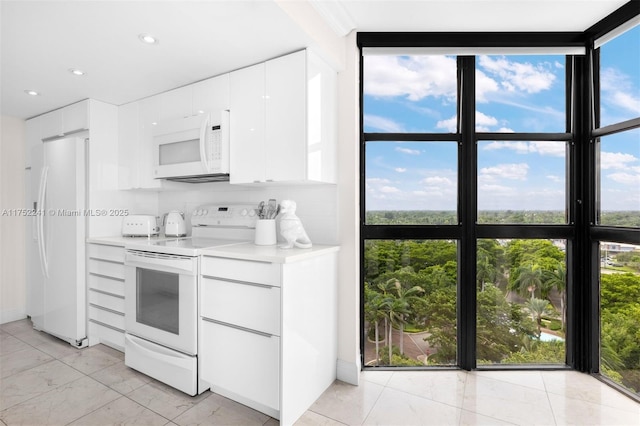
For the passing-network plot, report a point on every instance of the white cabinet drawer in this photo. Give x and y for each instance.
(250, 367)
(102, 251)
(107, 268)
(110, 285)
(114, 319)
(242, 270)
(108, 301)
(253, 306)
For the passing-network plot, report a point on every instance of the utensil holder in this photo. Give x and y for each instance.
(265, 232)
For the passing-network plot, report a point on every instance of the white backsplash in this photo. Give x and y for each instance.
(317, 204)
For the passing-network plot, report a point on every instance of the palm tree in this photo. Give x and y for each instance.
(375, 310)
(403, 298)
(485, 271)
(558, 279)
(538, 308)
(529, 280)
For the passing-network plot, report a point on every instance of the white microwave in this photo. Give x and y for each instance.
(193, 149)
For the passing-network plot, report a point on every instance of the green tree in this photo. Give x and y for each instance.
(558, 279)
(538, 308)
(485, 271)
(375, 311)
(400, 306)
(528, 280)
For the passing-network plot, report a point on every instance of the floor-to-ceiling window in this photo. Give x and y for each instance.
(616, 139)
(489, 176)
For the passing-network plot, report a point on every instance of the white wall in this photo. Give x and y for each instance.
(317, 204)
(348, 216)
(12, 226)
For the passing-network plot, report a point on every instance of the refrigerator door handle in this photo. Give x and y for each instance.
(41, 245)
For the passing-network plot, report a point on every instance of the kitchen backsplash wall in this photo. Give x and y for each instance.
(317, 204)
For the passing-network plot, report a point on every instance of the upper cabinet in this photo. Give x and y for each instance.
(283, 125)
(137, 121)
(66, 120)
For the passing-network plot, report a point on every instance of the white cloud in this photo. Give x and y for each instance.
(618, 90)
(400, 169)
(408, 151)
(450, 124)
(382, 123)
(437, 181)
(412, 77)
(517, 171)
(518, 76)
(556, 179)
(626, 178)
(389, 189)
(553, 149)
(616, 160)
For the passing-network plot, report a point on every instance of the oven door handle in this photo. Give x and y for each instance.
(162, 262)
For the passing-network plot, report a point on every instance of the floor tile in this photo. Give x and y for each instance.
(9, 343)
(531, 379)
(441, 386)
(35, 381)
(122, 411)
(400, 408)
(581, 386)
(17, 361)
(310, 418)
(506, 401)
(121, 378)
(570, 411)
(90, 360)
(217, 410)
(467, 418)
(164, 400)
(17, 326)
(61, 405)
(347, 403)
(380, 377)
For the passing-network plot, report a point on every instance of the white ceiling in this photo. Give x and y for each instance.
(42, 40)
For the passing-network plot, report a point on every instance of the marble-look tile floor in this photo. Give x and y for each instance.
(44, 381)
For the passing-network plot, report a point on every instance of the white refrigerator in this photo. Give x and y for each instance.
(56, 290)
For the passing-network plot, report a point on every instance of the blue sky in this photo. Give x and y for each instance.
(513, 94)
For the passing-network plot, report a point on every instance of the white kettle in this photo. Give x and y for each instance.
(174, 225)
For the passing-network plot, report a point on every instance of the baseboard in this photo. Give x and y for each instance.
(348, 372)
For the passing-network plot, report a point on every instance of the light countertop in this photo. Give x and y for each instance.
(244, 251)
(274, 253)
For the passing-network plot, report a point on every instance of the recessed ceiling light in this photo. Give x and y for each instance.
(148, 39)
(76, 71)
(31, 93)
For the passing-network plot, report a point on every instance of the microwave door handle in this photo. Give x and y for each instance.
(203, 145)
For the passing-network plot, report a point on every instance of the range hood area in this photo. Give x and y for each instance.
(216, 177)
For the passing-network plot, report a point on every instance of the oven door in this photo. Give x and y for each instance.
(161, 299)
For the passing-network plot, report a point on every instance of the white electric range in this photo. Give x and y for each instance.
(161, 293)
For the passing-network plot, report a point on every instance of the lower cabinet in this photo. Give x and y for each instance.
(227, 350)
(105, 295)
(268, 332)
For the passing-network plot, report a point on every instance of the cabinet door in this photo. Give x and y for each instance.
(247, 157)
(51, 124)
(32, 135)
(176, 104)
(241, 364)
(75, 117)
(128, 141)
(148, 118)
(285, 80)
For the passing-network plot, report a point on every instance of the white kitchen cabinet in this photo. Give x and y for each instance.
(33, 138)
(283, 125)
(175, 104)
(105, 295)
(134, 145)
(268, 332)
(72, 118)
(210, 95)
(247, 122)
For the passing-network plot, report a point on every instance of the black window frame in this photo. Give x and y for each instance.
(582, 232)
